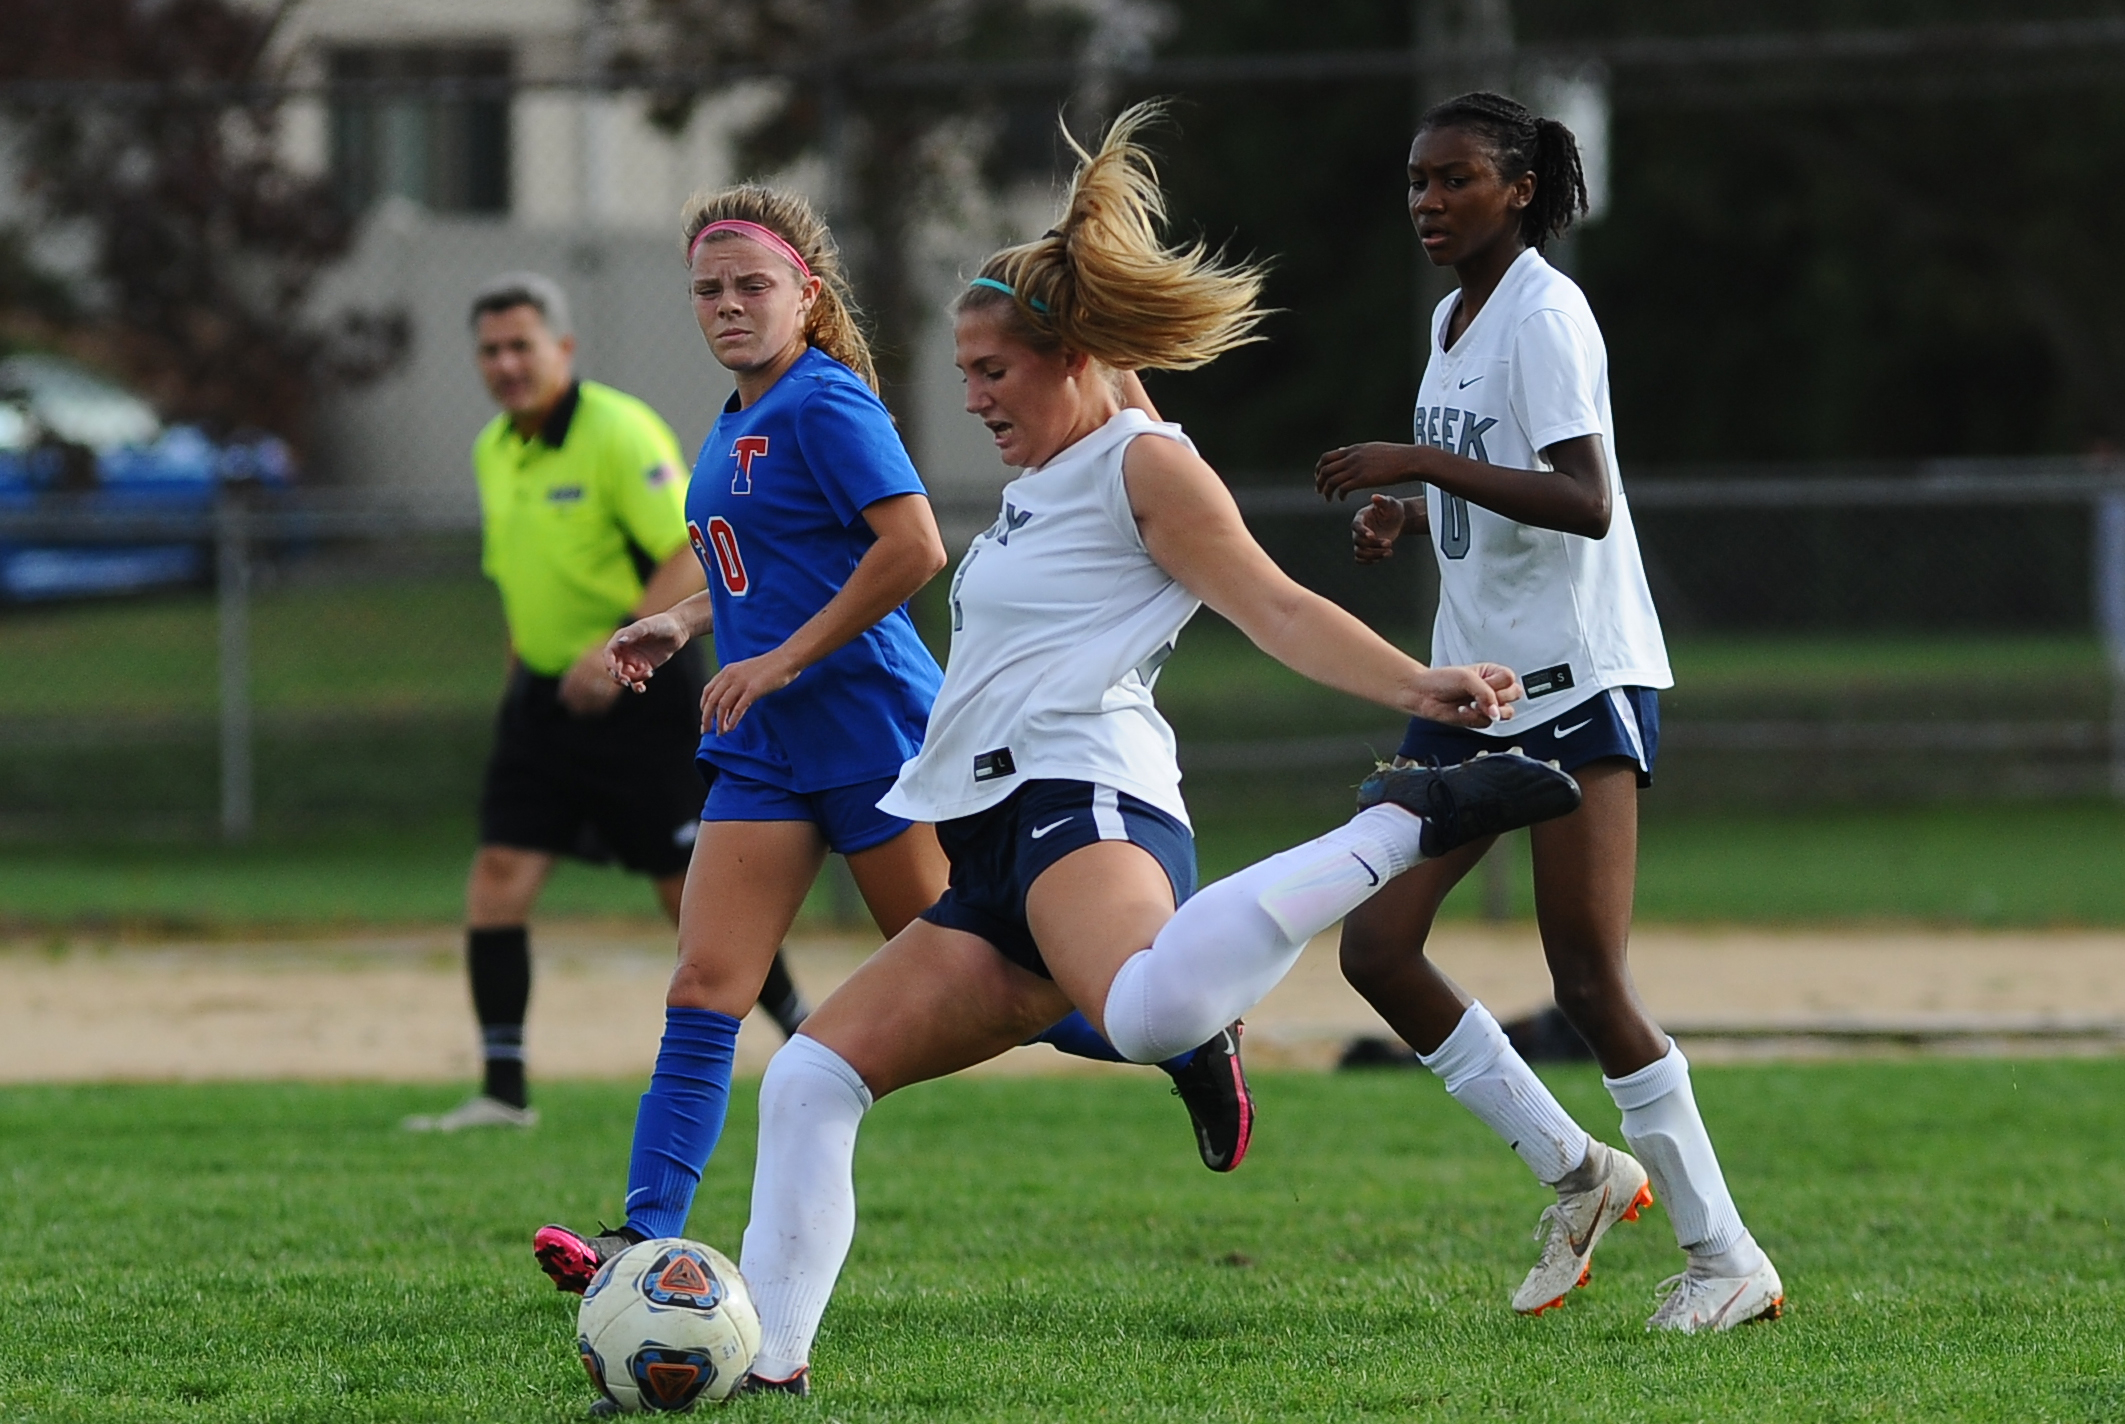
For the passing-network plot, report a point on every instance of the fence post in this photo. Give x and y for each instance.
(2110, 619)
(232, 587)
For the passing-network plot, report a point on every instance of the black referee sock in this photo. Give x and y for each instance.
(500, 964)
(780, 997)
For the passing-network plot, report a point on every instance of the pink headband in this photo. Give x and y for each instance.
(767, 237)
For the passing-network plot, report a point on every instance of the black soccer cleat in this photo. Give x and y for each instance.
(799, 1384)
(1489, 793)
(1213, 1086)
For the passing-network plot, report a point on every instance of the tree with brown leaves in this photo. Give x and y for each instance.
(145, 148)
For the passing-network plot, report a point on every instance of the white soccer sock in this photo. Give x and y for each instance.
(1486, 1076)
(804, 1197)
(1666, 1134)
(1310, 887)
(1231, 943)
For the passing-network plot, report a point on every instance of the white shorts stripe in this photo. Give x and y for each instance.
(1627, 713)
(1107, 814)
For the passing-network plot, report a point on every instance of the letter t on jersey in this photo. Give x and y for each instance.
(747, 449)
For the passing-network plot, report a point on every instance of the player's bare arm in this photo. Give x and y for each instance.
(1194, 531)
(908, 554)
(1572, 495)
(633, 654)
(590, 686)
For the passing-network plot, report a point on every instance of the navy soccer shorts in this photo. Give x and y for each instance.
(1616, 722)
(997, 854)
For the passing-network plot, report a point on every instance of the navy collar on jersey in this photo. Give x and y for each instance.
(554, 433)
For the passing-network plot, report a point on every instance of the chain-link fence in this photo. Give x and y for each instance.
(1953, 630)
(1840, 633)
(1945, 633)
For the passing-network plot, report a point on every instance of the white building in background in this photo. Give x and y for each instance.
(578, 185)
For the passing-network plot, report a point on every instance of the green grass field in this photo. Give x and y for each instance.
(1046, 1249)
(2021, 866)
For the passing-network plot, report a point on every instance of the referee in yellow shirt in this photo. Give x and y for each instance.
(583, 529)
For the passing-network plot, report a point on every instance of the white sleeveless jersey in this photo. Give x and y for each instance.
(1060, 623)
(1571, 615)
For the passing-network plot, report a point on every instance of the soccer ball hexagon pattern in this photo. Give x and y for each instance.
(666, 1324)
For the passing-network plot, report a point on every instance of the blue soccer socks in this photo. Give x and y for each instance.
(680, 1119)
(1076, 1037)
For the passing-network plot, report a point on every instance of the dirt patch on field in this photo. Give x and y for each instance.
(394, 1005)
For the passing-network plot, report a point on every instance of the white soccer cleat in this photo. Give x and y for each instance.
(1576, 1224)
(481, 1111)
(1707, 1302)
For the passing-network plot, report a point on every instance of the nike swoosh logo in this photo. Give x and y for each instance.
(1467, 383)
(1579, 1247)
(1037, 834)
(1368, 869)
(1561, 733)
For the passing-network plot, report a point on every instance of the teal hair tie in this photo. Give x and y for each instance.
(1005, 287)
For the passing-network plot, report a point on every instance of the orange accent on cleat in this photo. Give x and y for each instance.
(1774, 1310)
(1643, 1199)
(1547, 1305)
(1584, 1276)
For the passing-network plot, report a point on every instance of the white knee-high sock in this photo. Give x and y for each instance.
(1230, 944)
(1666, 1134)
(1486, 1076)
(804, 1197)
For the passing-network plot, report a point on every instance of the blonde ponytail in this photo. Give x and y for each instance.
(833, 324)
(1102, 281)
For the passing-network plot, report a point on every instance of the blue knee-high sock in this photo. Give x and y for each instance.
(1076, 1037)
(680, 1119)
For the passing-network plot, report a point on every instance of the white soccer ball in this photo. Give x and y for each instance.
(665, 1324)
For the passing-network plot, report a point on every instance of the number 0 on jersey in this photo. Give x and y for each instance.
(719, 554)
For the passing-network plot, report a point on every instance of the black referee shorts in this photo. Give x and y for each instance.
(619, 787)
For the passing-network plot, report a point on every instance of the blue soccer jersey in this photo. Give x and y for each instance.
(775, 512)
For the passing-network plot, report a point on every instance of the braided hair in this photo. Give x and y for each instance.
(1522, 143)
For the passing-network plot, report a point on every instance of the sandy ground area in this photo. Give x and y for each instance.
(394, 1006)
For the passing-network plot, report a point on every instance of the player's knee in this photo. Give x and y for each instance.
(1371, 960)
(501, 886)
(705, 986)
(1586, 996)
